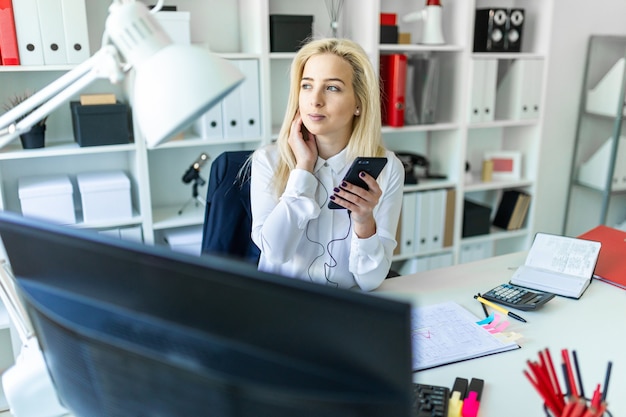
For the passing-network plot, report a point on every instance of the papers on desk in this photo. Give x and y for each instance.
(558, 264)
(447, 333)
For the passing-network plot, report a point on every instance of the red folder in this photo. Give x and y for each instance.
(611, 266)
(393, 88)
(9, 54)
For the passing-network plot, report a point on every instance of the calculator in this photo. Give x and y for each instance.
(522, 298)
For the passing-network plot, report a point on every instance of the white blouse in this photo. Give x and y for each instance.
(300, 237)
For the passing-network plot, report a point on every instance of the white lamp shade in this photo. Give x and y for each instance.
(177, 85)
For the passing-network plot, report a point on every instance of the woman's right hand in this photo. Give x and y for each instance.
(303, 144)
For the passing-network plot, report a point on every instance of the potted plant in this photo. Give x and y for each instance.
(35, 137)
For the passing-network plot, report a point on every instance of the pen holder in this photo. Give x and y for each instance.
(549, 413)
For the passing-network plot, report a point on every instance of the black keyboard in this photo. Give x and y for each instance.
(430, 400)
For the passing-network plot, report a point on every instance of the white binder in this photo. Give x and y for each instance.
(483, 90)
(75, 29)
(231, 113)
(519, 93)
(28, 33)
(209, 125)
(437, 203)
(52, 31)
(250, 98)
(407, 224)
(423, 213)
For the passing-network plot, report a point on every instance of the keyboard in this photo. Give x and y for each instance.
(430, 400)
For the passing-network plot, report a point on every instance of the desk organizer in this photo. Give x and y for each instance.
(47, 197)
(105, 195)
(100, 124)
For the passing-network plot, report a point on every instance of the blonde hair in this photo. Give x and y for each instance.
(365, 139)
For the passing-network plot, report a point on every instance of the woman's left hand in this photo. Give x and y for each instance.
(361, 203)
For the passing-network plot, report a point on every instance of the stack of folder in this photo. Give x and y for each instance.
(43, 32)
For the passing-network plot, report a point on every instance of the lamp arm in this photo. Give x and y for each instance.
(103, 64)
(15, 308)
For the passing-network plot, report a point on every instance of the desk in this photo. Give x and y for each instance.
(594, 326)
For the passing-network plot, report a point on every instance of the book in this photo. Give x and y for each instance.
(447, 333)
(611, 266)
(558, 264)
(393, 88)
(512, 210)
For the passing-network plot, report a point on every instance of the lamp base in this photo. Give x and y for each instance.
(28, 387)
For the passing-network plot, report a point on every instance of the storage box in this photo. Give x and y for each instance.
(388, 34)
(176, 25)
(100, 124)
(476, 219)
(289, 32)
(185, 239)
(105, 195)
(48, 197)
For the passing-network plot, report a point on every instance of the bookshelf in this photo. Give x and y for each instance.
(240, 30)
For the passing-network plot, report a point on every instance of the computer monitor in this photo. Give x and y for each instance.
(139, 330)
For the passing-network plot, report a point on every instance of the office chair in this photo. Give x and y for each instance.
(227, 217)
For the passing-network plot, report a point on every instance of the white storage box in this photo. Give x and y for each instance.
(48, 197)
(185, 239)
(105, 196)
(176, 25)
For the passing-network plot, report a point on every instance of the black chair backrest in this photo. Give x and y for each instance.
(228, 218)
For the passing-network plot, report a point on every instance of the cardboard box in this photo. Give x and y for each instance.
(185, 239)
(49, 197)
(105, 195)
(100, 124)
(288, 32)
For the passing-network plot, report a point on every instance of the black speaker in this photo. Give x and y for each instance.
(490, 30)
(513, 38)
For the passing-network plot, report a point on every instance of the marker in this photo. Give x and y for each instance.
(499, 308)
(471, 403)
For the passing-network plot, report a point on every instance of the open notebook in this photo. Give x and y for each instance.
(558, 264)
(447, 333)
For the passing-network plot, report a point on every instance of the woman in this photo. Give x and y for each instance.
(333, 116)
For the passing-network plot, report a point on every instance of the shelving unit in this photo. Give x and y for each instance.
(240, 30)
(597, 189)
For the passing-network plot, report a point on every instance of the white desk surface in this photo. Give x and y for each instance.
(594, 326)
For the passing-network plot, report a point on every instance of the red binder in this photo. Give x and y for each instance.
(611, 266)
(393, 88)
(9, 54)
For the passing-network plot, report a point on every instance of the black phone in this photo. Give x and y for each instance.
(371, 165)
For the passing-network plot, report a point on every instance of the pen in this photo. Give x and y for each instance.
(499, 308)
(484, 308)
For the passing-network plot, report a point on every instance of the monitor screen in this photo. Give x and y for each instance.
(133, 329)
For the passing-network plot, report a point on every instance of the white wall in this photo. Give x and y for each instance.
(573, 22)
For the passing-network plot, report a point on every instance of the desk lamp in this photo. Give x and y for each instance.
(170, 85)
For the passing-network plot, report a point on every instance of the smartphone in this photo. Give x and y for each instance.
(371, 165)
